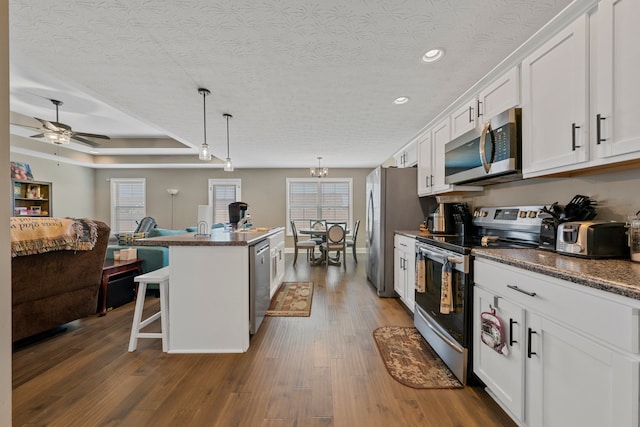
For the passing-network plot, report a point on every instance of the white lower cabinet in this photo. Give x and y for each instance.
(568, 362)
(503, 374)
(404, 269)
(276, 243)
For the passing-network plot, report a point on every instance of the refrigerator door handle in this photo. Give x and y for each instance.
(370, 217)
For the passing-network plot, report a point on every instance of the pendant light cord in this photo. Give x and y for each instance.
(204, 114)
(227, 116)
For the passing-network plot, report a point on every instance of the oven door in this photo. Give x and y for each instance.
(429, 301)
(448, 334)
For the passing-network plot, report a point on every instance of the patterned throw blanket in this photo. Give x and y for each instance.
(31, 235)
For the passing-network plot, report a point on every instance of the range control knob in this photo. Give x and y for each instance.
(522, 214)
(533, 214)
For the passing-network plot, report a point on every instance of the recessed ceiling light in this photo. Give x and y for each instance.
(433, 55)
(401, 100)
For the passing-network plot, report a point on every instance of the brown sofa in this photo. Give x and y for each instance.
(53, 288)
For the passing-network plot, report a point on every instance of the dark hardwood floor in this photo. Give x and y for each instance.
(322, 370)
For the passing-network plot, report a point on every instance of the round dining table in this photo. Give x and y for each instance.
(322, 232)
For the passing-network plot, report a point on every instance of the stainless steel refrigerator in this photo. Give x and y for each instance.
(392, 204)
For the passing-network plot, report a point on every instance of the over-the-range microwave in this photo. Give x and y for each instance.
(488, 154)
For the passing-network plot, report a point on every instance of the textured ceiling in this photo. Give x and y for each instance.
(301, 78)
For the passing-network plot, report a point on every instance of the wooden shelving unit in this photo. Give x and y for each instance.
(31, 198)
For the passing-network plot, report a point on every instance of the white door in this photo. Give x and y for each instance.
(554, 102)
(425, 174)
(573, 381)
(502, 373)
(464, 118)
(398, 272)
(441, 134)
(500, 95)
(618, 101)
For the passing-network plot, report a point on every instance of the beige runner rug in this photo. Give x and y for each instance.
(292, 299)
(410, 359)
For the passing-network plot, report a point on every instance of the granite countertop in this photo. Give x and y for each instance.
(218, 237)
(412, 233)
(620, 277)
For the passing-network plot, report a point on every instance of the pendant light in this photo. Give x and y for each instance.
(319, 172)
(205, 151)
(228, 167)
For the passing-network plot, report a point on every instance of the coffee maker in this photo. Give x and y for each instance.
(237, 212)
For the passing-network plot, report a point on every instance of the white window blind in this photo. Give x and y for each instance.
(128, 203)
(312, 198)
(221, 193)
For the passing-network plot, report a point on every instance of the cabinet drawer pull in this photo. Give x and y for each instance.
(573, 137)
(599, 138)
(515, 288)
(511, 340)
(529, 352)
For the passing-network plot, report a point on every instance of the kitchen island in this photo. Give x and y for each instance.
(209, 289)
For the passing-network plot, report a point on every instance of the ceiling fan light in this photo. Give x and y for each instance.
(205, 152)
(64, 138)
(228, 166)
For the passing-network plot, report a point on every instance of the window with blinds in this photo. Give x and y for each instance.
(128, 203)
(221, 193)
(312, 198)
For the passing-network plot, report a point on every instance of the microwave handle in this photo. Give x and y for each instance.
(483, 137)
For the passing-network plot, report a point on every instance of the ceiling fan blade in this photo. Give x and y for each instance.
(84, 140)
(47, 124)
(40, 135)
(26, 126)
(91, 135)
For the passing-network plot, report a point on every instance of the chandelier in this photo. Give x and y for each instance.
(319, 172)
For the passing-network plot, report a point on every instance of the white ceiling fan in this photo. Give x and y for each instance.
(60, 133)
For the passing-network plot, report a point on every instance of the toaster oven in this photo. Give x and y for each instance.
(592, 239)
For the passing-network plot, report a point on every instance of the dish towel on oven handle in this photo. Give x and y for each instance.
(446, 290)
(420, 274)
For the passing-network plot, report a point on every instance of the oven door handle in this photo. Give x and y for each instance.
(440, 256)
(444, 338)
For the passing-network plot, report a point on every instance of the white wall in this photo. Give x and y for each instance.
(617, 193)
(263, 189)
(5, 255)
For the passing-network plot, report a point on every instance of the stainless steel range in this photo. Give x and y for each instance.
(444, 298)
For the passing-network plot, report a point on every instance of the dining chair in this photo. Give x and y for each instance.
(309, 245)
(336, 242)
(351, 240)
(320, 225)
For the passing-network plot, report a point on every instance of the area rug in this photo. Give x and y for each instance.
(410, 359)
(292, 299)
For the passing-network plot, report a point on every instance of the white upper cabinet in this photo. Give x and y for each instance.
(408, 156)
(440, 135)
(502, 94)
(464, 118)
(554, 102)
(425, 172)
(617, 107)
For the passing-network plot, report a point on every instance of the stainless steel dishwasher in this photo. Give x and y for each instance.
(259, 283)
